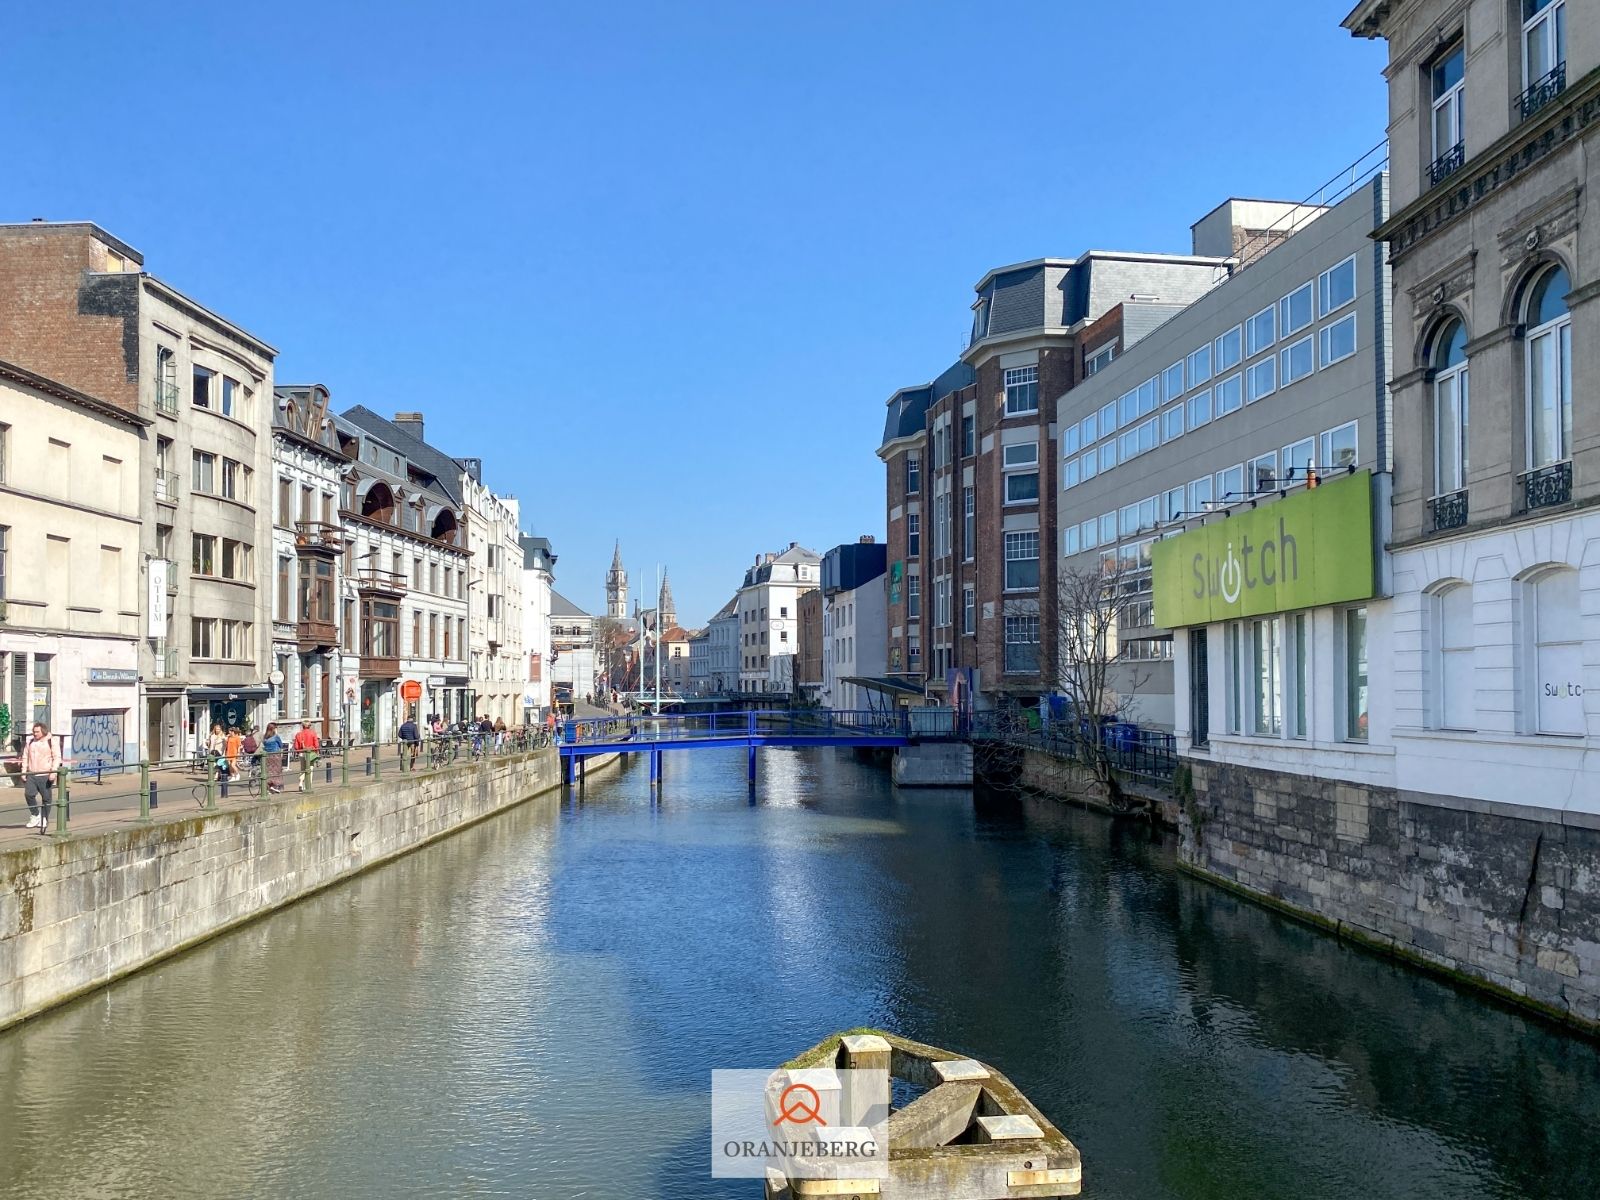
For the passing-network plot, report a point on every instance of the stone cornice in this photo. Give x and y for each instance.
(1569, 116)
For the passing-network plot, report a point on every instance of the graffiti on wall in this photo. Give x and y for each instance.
(96, 739)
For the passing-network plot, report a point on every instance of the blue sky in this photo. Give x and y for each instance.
(659, 264)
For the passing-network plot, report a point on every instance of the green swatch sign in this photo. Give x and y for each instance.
(1314, 547)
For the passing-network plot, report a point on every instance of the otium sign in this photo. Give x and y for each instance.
(1314, 547)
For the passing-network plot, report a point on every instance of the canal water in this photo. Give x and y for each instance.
(532, 1008)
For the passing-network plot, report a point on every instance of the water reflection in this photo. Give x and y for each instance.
(531, 1008)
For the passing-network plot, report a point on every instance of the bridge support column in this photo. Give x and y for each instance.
(752, 764)
(655, 768)
(566, 771)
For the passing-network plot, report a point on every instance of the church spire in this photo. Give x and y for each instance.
(668, 610)
(617, 586)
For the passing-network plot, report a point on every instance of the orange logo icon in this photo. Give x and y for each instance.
(796, 1109)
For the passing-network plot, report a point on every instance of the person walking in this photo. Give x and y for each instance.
(499, 735)
(272, 746)
(250, 748)
(40, 761)
(410, 736)
(306, 744)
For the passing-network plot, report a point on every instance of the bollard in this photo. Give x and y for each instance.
(344, 765)
(367, 766)
(146, 799)
(327, 770)
(63, 799)
(211, 783)
(155, 797)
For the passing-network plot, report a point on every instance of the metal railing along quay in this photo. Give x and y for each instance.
(100, 793)
(1140, 753)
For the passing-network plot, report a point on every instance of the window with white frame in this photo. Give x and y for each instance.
(913, 535)
(1296, 361)
(1448, 79)
(1266, 638)
(1297, 655)
(1450, 410)
(1297, 459)
(1263, 472)
(1230, 484)
(1089, 464)
(1200, 409)
(969, 609)
(1127, 408)
(913, 596)
(1338, 341)
(1069, 440)
(1172, 381)
(1172, 505)
(1549, 369)
(1339, 448)
(1295, 311)
(1022, 560)
(913, 473)
(1336, 286)
(1261, 330)
(1022, 643)
(1557, 638)
(1108, 419)
(1454, 685)
(1070, 475)
(1108, 456)
(1201, 495)
(1070, 541)
(1200, 365)
(1544, 41)
(1022, 390)
(1229, 349)
(1172, 423)
(1094, 363)
(1149, 396)
(1353, 644)
(1088, 430)
(969, 524)
(1090, 533)
(1233, 698)
(1229, 395)
(1261, 379)
(1020, 464)
(1108, 528)
(941, 525)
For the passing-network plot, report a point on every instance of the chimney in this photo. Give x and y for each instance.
(867, 539)
(410, 423)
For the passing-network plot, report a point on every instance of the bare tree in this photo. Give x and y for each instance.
(1099, 688)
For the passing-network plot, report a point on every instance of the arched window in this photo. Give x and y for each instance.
(1556, 633)
(1549, 371)
(1450, 409)
(1454, 707)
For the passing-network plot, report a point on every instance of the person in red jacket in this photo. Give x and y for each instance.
(306, 744)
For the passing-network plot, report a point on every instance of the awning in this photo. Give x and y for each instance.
(248, 691)
(883, 683)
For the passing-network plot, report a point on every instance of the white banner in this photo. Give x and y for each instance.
(157, 627)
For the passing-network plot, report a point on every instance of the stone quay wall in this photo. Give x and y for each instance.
(79, 912)
(1497, 895)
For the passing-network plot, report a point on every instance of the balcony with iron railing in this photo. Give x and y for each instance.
(166, 397)
(167, 487)
(1546, 487)
(1447, 164)
(372, 579)
(166, 663)
(1448, 511)
(318, 537)
(1542, 90)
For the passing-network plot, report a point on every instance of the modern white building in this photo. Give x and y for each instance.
(538, 576)
(700, 663)
(497, 661)
(69, 568)
(307, 677)
(769, 616)
(855, 622)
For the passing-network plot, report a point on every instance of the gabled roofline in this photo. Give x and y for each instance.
(42, 383)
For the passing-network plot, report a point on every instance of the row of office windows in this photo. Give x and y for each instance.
(943, 528)
(941, 452)
(1203, 374)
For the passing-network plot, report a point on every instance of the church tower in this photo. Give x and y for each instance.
(667, 611)
(617, 587)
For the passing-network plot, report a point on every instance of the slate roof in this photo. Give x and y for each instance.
(446, 470)
(536, 552)
(560, 606)
(428, 481)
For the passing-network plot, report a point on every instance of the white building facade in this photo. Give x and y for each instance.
(538, 576)
(769, 617)
(855, 622)
(496, 664)
(70, 598)
(722, 649)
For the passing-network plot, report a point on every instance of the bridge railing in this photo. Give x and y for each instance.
(819, 723)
